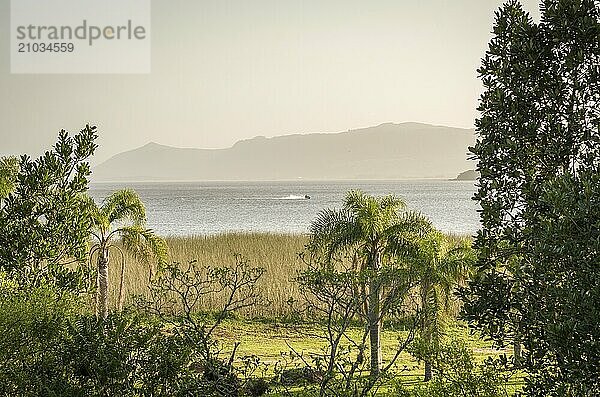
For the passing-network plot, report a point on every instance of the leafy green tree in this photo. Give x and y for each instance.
(375, 229)
(44, 228)
(119, 223)
(441, 264)
(538, 150)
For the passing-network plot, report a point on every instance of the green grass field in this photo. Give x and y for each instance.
(269, 340)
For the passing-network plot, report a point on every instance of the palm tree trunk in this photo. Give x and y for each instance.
(151, 273)
(374, 329)
(426, 331)
(121, 282)
(102, 309)
(517, 350)
(428, 371)
(375, 318)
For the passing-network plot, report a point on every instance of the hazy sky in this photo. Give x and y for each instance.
(225, 70)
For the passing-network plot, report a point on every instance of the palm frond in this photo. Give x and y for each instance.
(124, 205)
(391, 203)
(413, 223)
(374, 214)
(355, 200)
(144, 244)
(157, 246)
(89, 206)
(459, 260)
(405, 236)
(443, 264)
(332, 231)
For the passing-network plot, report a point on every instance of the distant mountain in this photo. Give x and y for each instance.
(387, 151)
(469, 175)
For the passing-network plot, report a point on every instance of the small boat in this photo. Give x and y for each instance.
(307, 197)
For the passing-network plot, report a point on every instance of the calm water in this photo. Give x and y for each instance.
(216, 207)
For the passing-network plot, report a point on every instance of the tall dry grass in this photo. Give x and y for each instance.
(276, 253)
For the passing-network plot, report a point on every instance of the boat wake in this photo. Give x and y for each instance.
(292, 197)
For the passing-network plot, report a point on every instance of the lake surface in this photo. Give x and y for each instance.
(217, 207)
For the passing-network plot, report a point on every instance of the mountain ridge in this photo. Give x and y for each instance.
(385, 151)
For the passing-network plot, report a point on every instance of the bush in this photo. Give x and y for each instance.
(33, 323)
(457, 374)
(48, 347)
(256, 387)
(43, 220)
(126, 355)
(299, 376)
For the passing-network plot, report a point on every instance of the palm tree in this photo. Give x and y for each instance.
(120, 222)
(441, 262)
(373, 227)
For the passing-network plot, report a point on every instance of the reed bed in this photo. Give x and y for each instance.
(276, 253)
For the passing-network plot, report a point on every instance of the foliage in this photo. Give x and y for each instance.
(457, 373)
(9, 169)
(48, 347)
(335, 304)
(125, 355)
(256, 387)
(440, 264)
(32, 325)
(539, 157)
(564, 356)
(43, 223)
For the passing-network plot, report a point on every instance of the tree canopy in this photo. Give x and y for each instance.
(538, 148)
(43, 222)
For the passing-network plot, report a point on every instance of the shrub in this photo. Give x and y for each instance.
(457, 374)
(48, 347)
(256, 387)
(33, 322)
